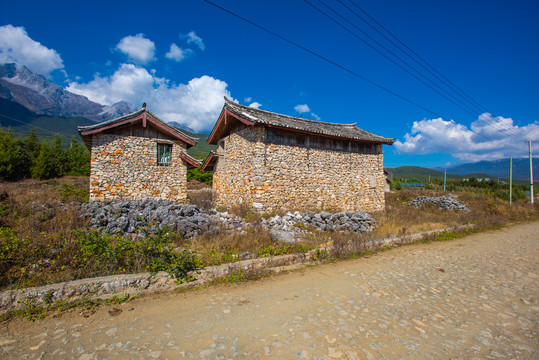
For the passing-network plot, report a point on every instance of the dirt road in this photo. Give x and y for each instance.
(472, 298)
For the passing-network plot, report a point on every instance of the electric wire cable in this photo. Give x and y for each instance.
(447, 82)
(462, 105)
(27, 123)
(409, 49)
(508, 130)
(337, 65)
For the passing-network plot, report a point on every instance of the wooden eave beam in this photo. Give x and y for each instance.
(208, 161)
(189, 160)
(222, 123)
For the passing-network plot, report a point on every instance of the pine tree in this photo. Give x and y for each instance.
(12, 157)
(50, 162)
(77, 159)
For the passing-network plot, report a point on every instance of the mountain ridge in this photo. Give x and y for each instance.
(43, 97)
(496, 168)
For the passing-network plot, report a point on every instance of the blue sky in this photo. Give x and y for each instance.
(182, 57)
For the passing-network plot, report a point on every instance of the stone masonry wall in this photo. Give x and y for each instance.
(125, 167)
(271, 176)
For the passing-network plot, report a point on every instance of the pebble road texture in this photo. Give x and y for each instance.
(471, 298)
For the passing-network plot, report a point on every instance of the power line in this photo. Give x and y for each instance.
(323, 58)
(337, 65)
(500, 126)
(27, 123)
(447, 82)
(463, 106)
(413, 52)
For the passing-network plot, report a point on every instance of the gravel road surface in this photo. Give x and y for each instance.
(471, 298)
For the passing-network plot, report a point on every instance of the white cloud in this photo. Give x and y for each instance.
(248, 99)
(255, 105)
(139, 49)
(17, 47)
(177, 54)
(484, 141)
(196, 104)
(192, 38)
(302, 108)
(316, 117)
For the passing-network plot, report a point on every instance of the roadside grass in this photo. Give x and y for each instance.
(44, 240)
(33, 310)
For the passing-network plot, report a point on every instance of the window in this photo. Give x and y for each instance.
(164, 152)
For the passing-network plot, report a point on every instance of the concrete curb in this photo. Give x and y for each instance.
(108, 286)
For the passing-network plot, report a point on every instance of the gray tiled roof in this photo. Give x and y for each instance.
(127, 116)
(347, 131)
(111, 121)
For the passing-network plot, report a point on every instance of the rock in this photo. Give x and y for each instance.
(144, 284)
(443, 202)
(284, 237)
(258, 206)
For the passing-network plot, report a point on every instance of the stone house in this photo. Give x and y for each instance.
(272, 161)
(138, 157)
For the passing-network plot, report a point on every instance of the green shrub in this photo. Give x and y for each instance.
(502, 194)
(518, 193)
(199, 175)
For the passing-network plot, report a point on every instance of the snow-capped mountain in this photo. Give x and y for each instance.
(41, 96)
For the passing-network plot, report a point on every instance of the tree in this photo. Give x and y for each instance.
(199, 175)
(50, 162)
(77, 159)
(12, 157)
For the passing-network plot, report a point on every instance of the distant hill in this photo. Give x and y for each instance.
(20, 121)
(202, 148)
(422, 174)
(182, 127)
(499, 168)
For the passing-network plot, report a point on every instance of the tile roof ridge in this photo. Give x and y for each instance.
(232, 103)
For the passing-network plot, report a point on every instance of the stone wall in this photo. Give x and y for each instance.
(273, 176)
(125, 167)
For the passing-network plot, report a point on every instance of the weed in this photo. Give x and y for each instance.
(239, 276)
(33, 310)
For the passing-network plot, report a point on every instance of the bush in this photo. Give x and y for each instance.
(518, 193)
(26, 158)
(502, 194)
(199, 175)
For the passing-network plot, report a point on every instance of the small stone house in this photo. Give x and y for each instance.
(271, 161)
(138, 157)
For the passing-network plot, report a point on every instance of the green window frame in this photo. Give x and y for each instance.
(164, 154)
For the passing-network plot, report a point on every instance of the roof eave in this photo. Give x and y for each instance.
(145, 116)
(222, 121)
(208, 160)
(189, 160)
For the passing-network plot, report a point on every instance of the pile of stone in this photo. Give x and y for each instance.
(443, 202)
(289, 228)
(136, 218)
(139, 217)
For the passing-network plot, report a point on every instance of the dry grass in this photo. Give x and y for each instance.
(486, 212)
(33, 208)
(38, 244)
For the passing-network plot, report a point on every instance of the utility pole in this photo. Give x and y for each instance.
(531, 173)
(445, 175)
(510, 180)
